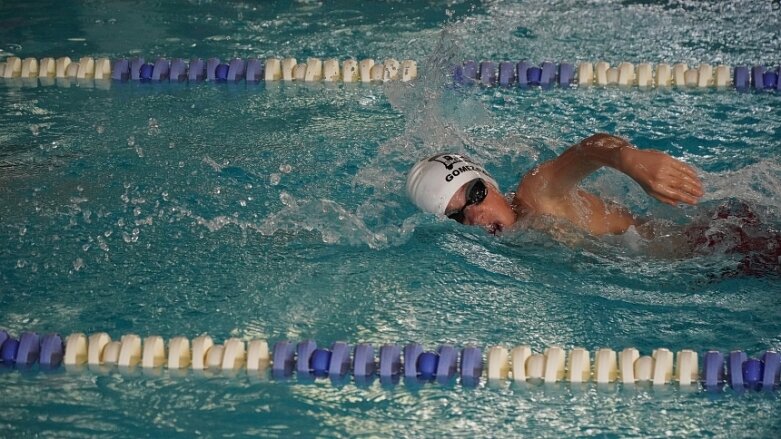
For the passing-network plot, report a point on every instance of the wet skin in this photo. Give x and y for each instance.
(552, 188)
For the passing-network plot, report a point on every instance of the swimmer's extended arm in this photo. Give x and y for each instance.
(661, 176)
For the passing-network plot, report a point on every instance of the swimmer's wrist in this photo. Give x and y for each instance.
(624, 156)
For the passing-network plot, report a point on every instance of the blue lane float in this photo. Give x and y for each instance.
(135, 68)
(735, 369)
(236, 70)
(742, 79)
(713, 369)
(29, 348)
(447, 362)
(304, 351)
(282, 363)
(3, 337)
(488, 73)
(197, 70)
(211, 68)
(254, 71)
(161, 70)
(52, 351)
(413, 362)
(363, 361)
(427, 365)
(145, 72)
(471, 363)
(771, 364)
(566, 75)
(752, 372)
(9, 350)
(506, 73)
(121, 70)
(178, 70)
(390, 360)
(339, 363)
(320, 362)
(412, 353)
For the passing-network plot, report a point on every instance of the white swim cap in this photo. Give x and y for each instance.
(432, 182)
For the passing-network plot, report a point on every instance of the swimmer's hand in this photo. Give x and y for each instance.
(667, 179)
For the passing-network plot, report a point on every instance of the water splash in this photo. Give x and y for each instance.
(759, 183)
(334, 223)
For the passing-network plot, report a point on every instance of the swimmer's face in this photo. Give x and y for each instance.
(479, 203)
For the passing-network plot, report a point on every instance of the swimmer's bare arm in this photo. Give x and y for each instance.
(553, 186)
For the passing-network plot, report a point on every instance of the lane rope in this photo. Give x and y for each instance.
(307, 359)
(523, 74)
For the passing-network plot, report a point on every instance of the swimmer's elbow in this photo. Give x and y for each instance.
(599, 137)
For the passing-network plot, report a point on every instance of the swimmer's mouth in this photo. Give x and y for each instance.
(494, 228)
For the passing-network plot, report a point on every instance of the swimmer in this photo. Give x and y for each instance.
(454, 186)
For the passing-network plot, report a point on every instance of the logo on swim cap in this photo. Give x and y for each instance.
(432, 182)
(447, 160)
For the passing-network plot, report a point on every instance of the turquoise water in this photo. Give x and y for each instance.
(277, 211)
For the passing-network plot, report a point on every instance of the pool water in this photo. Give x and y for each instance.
(277, 211)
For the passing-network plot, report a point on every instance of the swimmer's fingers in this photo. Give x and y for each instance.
(672, 189)
(686, 170)
(689, 186)
(673, 195)
(680, 176)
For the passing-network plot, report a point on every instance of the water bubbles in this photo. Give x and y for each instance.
(100, 129)
(366, 101)
(78, 264)
(121, 222)
(274, 179)
(21, 263)
(285, 168)
(22, 231)
(171, 145)
(35, 129)
(243, 203)
(131, 141)
(137, 211)
(165, 196)
(286, 199)
(108, 233)
(131, 237)
(85, 247)
(330, 237)
(153, 127)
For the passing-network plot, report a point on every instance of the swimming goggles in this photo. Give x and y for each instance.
(475, 194)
